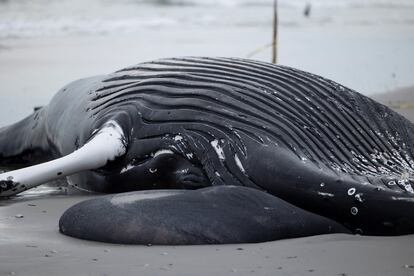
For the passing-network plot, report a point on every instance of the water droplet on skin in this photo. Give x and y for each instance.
(351, 191)
(354, 211)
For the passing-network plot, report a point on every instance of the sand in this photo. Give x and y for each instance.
(400, 100)
(30, 244)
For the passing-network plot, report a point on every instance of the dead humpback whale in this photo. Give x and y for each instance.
(264, 147)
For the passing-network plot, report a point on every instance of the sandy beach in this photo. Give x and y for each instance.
(348, 46)
(400, 100)
(30, 244)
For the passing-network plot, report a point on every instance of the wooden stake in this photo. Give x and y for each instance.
(274, 38)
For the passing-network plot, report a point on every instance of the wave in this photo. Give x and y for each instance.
(73, 26)
(284, 3)
(281, 3)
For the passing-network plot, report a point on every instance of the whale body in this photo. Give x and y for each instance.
(338, 160)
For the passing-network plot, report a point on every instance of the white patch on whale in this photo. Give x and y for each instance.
(178, 138)
(325, 194)
(239, 163)
(162, 151)
(127, 168)
(409, 188)
(218, 149)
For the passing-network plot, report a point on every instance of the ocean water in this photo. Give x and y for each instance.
(46, 18)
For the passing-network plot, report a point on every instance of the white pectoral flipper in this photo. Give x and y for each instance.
(106, 145)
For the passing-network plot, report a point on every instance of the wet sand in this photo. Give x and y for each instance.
(30, 244)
